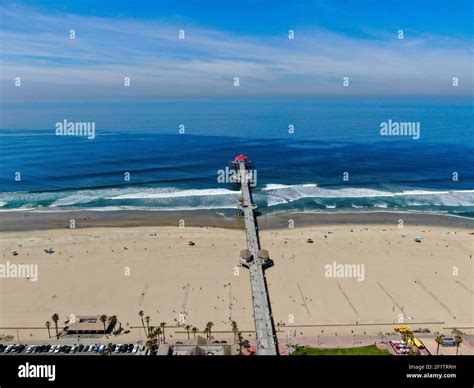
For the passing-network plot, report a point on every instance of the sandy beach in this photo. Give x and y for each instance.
(122, 270)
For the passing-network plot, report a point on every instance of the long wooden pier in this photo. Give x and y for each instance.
(264, 328)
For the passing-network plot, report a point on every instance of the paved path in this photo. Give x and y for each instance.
(266, 339)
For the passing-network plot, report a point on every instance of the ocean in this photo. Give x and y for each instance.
(336, 159)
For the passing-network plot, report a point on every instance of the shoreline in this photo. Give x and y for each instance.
(226, 219)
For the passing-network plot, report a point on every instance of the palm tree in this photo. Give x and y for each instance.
(194, 330)
(458, 340)
(147, 320)
(152, 340)
(209, 329)
(439, 340)
(48, 325)
(162, 325)
(241, 341)
(140, 314)
(55, 319)
(113, 321)
(103, 319)
(109, 348)
(187, 328)
(235, 330)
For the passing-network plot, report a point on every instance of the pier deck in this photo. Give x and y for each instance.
(266, 338)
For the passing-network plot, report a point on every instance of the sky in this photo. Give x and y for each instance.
(227, 39)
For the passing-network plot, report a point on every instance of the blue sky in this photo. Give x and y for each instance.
(227, 39)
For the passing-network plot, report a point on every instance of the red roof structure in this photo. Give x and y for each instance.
(240, 157)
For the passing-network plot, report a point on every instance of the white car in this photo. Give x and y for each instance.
(29, 349)
(91, 348)
(74, 348)
(135, 348)
(8, 349)
(52, 349)
(57, 349)
(117, 348)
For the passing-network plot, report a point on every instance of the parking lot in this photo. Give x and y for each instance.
(72, 349)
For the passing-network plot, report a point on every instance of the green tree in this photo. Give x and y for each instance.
(240, 338)
(439, 340)
(209, 329)
(147, 320)
(48, 326)
(163, 325)
(113, 321)
(152, 342)
(187, 328)
(103, 319)
(235, 330)
(55, 319)
(458, 340)
(140, 314)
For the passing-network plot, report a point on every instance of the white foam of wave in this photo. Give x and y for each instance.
(221, 198)
(152, 193)
(281, 194)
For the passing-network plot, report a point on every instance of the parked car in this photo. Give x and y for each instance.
(118, 348)
(80, 348)
(52, 349)
(8, 349)
(135, 348)
(20, 348)
(46, 349)
(57, 350)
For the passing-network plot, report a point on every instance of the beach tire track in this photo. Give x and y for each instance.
(348, 300)
(462, 285)
(142, 295)
(435, 297)
(401, 308)
(304, 300)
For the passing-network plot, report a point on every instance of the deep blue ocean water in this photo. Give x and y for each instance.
(300, 171)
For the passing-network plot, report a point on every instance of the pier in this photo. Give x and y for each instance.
(256, 260)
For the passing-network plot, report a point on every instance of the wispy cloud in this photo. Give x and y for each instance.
(37, 48)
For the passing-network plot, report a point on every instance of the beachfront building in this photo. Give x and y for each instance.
(80, 325)
(198, 346)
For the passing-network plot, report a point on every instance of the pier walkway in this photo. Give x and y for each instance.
(266, 338)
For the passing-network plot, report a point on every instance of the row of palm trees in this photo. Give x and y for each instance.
(458, 339)
(153, 334)
(112, 321)
(55, 318)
